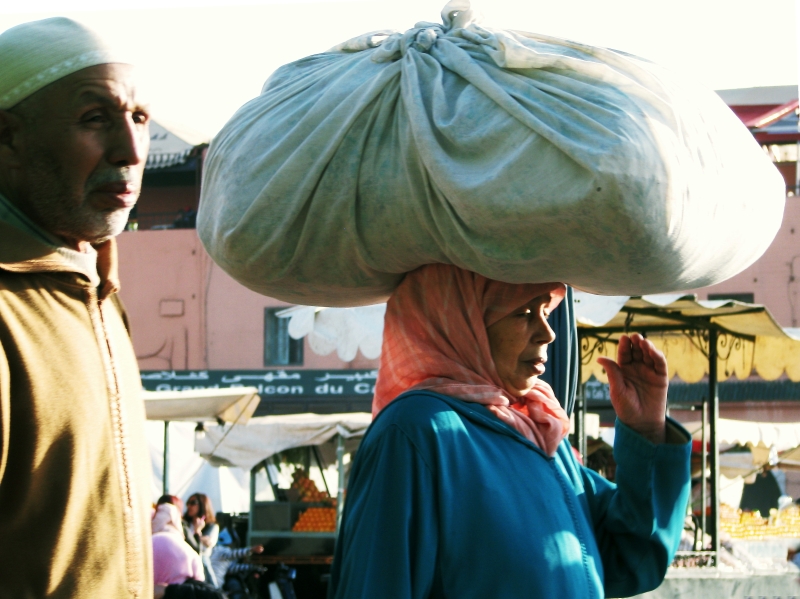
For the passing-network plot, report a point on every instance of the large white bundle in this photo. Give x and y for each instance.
(519, 156)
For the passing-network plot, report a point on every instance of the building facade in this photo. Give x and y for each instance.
(193, 326)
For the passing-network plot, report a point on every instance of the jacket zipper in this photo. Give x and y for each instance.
(130, 513)
(574, 514)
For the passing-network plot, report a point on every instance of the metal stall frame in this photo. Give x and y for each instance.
(708, 334)
(257, 533)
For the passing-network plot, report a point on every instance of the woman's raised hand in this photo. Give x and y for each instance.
(638, 383)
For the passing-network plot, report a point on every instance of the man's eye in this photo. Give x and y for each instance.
(94, 116)
(140, 118)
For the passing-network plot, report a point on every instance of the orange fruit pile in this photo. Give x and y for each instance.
(307, 488)
(316, 519)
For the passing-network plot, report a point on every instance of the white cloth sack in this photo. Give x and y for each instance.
(519, 156)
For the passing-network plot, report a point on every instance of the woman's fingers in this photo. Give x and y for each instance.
(635, 348)
(651, 355)
(624, 350)
(647, 348)
(659, 361)
(616, 380)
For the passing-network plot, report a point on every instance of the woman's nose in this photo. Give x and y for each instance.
(543, 333)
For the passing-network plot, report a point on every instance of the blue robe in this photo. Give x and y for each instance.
(447, 501)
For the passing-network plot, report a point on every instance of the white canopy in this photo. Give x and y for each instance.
(235, 404)
(764, 435)
(264, 436)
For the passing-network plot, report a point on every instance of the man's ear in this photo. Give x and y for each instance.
(11, 126)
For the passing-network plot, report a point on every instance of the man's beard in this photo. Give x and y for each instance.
(61, 206)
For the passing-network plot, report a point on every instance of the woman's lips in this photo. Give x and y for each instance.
(537, 365)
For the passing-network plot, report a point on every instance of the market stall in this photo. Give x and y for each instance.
(298, 465)
(234, 406)
(714, 339)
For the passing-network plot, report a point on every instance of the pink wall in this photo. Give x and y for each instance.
(186, 313)
(167, 199)
(772, 278)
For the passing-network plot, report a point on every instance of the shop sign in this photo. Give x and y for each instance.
(270, 383)
(594, 390)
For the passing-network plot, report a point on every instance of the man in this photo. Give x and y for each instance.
(74, 480)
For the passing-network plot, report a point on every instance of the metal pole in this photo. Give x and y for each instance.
(340, 491)
(797, 169)
(251, 515)
(703, 470)
(583, 423)
(165, 464)
(713, 397)
(579, 413)
(580, 433)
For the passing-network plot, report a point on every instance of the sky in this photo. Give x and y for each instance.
(199, 60)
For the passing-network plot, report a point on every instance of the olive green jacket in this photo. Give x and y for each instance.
(74, 467)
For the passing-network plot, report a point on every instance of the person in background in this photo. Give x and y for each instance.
(225, 555)
(203, 529)
(173, 560)
(188, 534)
(74, 465)
(172, 499)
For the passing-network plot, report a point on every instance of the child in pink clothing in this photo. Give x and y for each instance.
(174, 560)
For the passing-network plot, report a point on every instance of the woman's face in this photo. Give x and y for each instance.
(518, 343)
(192, 507)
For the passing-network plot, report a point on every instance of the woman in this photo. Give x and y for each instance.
(202, 530)
(173, 560)
(464, 485)
(173, 499)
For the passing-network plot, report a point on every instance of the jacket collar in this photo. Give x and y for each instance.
(23, 253)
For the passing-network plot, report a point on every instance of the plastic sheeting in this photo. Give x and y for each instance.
(346, 330)
(246, 446)
(520, 156)
(228, 488)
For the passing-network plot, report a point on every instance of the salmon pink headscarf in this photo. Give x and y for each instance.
(435, 339)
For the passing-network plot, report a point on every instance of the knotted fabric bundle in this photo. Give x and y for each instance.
(519, 156)
(435, 339)
(35, 54)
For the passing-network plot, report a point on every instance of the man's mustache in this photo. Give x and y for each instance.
(123, 174)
